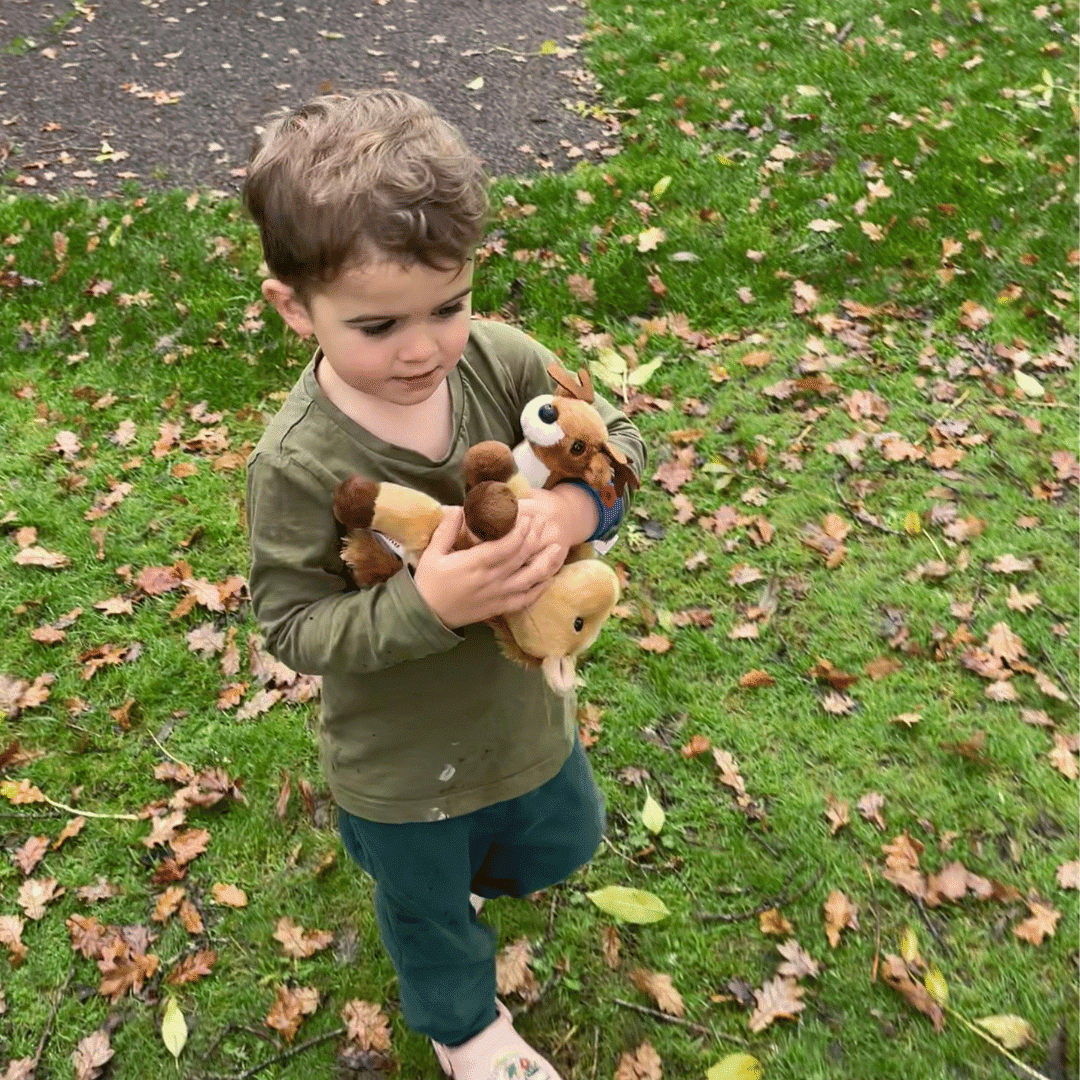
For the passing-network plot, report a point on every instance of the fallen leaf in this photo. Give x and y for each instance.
(91, 1055)
(1042, 923)
(642, 1064)
(1068, 875)
(659, 987)
(630, 905)
(840, 914)
(773, 922)
(229, 895)
(777, 999)
(290, 1007)
(755, 679)
(366, 1025)
(298, 942)
(798, 963)
(895, 973)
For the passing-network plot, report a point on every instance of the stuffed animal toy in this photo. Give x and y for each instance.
(565, 438)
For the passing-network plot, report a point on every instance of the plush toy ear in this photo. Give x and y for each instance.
(567, 385)
(623, 474)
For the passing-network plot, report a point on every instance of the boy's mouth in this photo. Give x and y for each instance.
(416, 380)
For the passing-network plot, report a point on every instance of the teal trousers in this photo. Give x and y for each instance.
(424, 871)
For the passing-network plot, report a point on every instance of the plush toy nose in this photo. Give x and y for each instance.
(548, 413)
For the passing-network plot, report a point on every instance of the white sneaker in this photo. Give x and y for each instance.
(497, 1053)
(477, 902)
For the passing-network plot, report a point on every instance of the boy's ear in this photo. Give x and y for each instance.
(288, 305)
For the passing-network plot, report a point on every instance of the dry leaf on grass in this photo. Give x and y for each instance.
(895, 973)
(366, 1025)
(641, 1064)
(290, 1007)
(840, 914)
(512, 972)
(773, 922)
(798, 963)
(1041, 924)
(298, 942)
(660, 989)
(91, 1055)
(777, 999)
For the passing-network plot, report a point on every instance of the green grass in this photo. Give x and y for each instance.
(852, 108)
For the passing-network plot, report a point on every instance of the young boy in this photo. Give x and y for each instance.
(455, 771)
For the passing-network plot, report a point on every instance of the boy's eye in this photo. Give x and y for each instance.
(378, 329)
(449, 310)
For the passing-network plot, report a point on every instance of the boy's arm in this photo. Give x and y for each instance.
(313, 620)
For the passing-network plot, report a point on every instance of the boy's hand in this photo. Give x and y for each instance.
(568, 514)
(492, 578)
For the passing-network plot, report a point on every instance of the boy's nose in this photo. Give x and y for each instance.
(421, 344)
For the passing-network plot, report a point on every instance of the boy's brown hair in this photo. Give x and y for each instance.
(350, 179)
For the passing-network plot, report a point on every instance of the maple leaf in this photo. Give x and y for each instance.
(659, 987)
(366, 1025)
(92, 1054)
(895, 973)
(777, 999)
(512, 972)
(650, 238)
(674, 473)
(192, 968)
(840, 914)
(641, 1064)
(798, 963)
(298, 942)
(290, 1007)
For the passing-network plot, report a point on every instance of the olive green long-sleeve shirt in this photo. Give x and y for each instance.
(418, 722)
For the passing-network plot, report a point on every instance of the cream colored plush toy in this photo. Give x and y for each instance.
(565, 438)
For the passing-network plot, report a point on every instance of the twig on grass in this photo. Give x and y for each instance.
(777, 901)
(61, 995)
(697, 1029)
(89, 813)
(285, 1055)
(595, 1052)
(931, 927)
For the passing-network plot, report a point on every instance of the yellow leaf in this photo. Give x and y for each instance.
(174, 1029)
(549, 48)
(644, 372)
(912, 523)
(648, 239)
(630, 905)
(1028, 386)
(476, 84)
(652, 815)
(661, 186)
(736, 1067)
(909, 945)
(936, 986)
(1011, 1031)
(609, 367)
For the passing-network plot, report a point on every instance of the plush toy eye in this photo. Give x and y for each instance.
(577, 447)
(548, 413)
(579, 623)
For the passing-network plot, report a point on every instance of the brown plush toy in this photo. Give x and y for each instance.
(565, 439)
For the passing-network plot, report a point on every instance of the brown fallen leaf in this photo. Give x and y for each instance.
(229, 895)
(895, 973)
(1068, 875)
(870, 806)
(298, 942)
(840, 914)
(777, 999)
(92, 1054)
(30, 854)
(612, 946)
(193, 967)
(773, 922)
(641, 1064)
(290, 1006)
(798, 963)
(36, 893)
(11, 928)
(659, 987)
(366, 1025)
(1063, 755)
(655, 643)
(513, 975)
(837, 812)
(755, 679)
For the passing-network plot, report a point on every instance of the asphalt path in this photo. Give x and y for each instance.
(170, 93)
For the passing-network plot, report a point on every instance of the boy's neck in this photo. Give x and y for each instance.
(425, 427)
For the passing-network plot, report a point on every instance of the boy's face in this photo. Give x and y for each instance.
(390, 332)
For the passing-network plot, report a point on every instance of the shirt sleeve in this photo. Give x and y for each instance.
(315, 620)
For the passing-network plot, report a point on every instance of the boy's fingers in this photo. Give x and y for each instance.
(446, 533)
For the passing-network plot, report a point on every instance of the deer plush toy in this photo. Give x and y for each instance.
(565, 438)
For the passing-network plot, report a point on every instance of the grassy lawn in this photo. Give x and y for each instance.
(832, 275)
